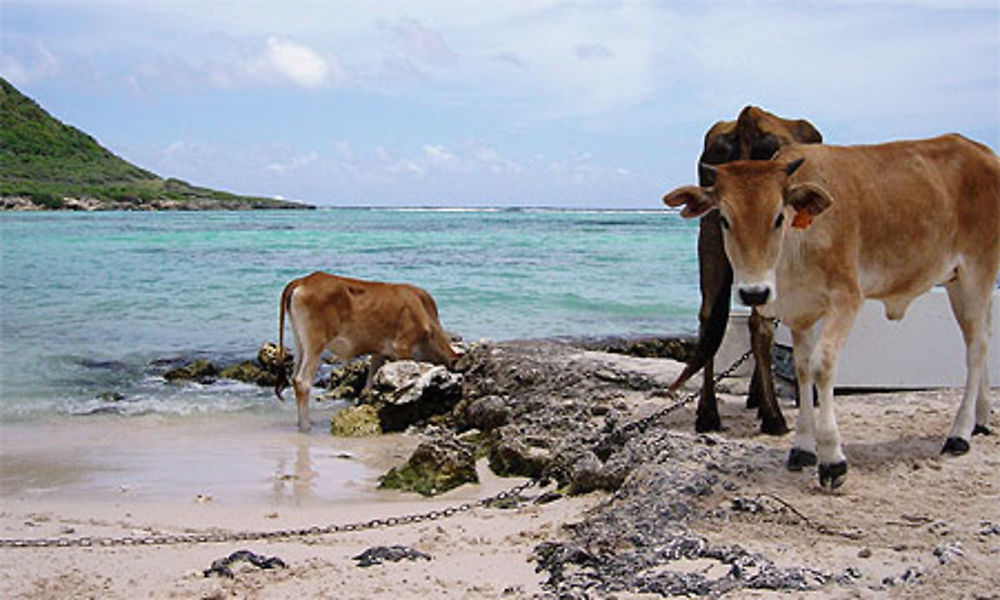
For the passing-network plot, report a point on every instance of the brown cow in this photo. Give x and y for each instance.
(817, 230)
(755, 134)
(351, 318)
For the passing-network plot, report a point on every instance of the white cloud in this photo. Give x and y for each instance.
(271, 61)
(297, 63)
(439, 156)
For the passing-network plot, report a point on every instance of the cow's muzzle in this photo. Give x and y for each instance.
(754, 295)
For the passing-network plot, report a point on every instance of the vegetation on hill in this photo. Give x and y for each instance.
(57, 166)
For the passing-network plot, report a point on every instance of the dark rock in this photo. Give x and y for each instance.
(222, 566)
(200, 370)
(111, 397)
(675, 348)
(347, 380)
(486, 414)
(248, 372)
(379, 554)
(988, 528)
(510, 456)
(945, 553)
(436, 466)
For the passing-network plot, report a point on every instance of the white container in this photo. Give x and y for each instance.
(923, 350)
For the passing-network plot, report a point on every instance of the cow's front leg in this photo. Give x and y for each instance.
(835, 327)
(803, 452)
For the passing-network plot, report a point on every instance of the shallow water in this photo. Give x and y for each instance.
(96, 303)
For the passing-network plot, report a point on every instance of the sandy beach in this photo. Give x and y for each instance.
(917, 524)
(133, 477)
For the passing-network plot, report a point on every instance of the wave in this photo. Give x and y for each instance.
(506, 209)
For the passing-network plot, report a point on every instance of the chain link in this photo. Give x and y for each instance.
(640, 425)
(242, 536)
(432, 515)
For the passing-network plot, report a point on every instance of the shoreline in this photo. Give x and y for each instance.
(920, 524)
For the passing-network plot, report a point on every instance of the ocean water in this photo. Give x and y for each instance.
(99, 303)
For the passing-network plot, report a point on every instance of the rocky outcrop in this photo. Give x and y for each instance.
(407, 392)
(436, 466)
(355, 421)
(265, 371)
(200, 370)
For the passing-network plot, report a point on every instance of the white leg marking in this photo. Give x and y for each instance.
(805, 424)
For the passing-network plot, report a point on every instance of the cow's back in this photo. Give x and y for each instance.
(903, 213)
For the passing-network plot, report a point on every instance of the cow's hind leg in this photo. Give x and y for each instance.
(307, 358)
(983, 401)
(970, 301)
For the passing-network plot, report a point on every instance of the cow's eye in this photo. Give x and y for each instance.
(724, 222)
(779, 220)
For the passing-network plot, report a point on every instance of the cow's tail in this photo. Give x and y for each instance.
(282, 379)
(710, 334)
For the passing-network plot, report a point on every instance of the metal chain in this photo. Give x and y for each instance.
(241, 536)
(641, 424)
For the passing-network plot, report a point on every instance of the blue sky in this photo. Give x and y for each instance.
(448, 103)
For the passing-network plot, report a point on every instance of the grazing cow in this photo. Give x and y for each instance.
(759, 135)
(817, 230)
(351, 317)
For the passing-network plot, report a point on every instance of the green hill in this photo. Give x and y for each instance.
(48, 164)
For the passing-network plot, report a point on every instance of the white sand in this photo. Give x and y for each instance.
(113, 477)
(109, 476)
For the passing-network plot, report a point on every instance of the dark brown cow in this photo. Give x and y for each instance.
(759, 135)
(814, 232)
(351, 318)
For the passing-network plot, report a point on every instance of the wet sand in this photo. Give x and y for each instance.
(112, 476)
(241, 458)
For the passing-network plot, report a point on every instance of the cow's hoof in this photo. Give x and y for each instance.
(708, 424)
(955, 446)
(832, 476)
(981, 430)
(797, 459)
(774, 426)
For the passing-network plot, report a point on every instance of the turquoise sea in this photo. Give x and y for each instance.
(99, 303)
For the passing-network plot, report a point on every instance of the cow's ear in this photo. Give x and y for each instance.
(808, 200)
(696, 200)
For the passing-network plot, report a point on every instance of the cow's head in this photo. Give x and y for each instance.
(757, 204)
(755, 135)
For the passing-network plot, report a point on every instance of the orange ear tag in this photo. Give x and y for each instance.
(802, 220)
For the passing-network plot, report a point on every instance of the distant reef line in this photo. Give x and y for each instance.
(88, 204)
